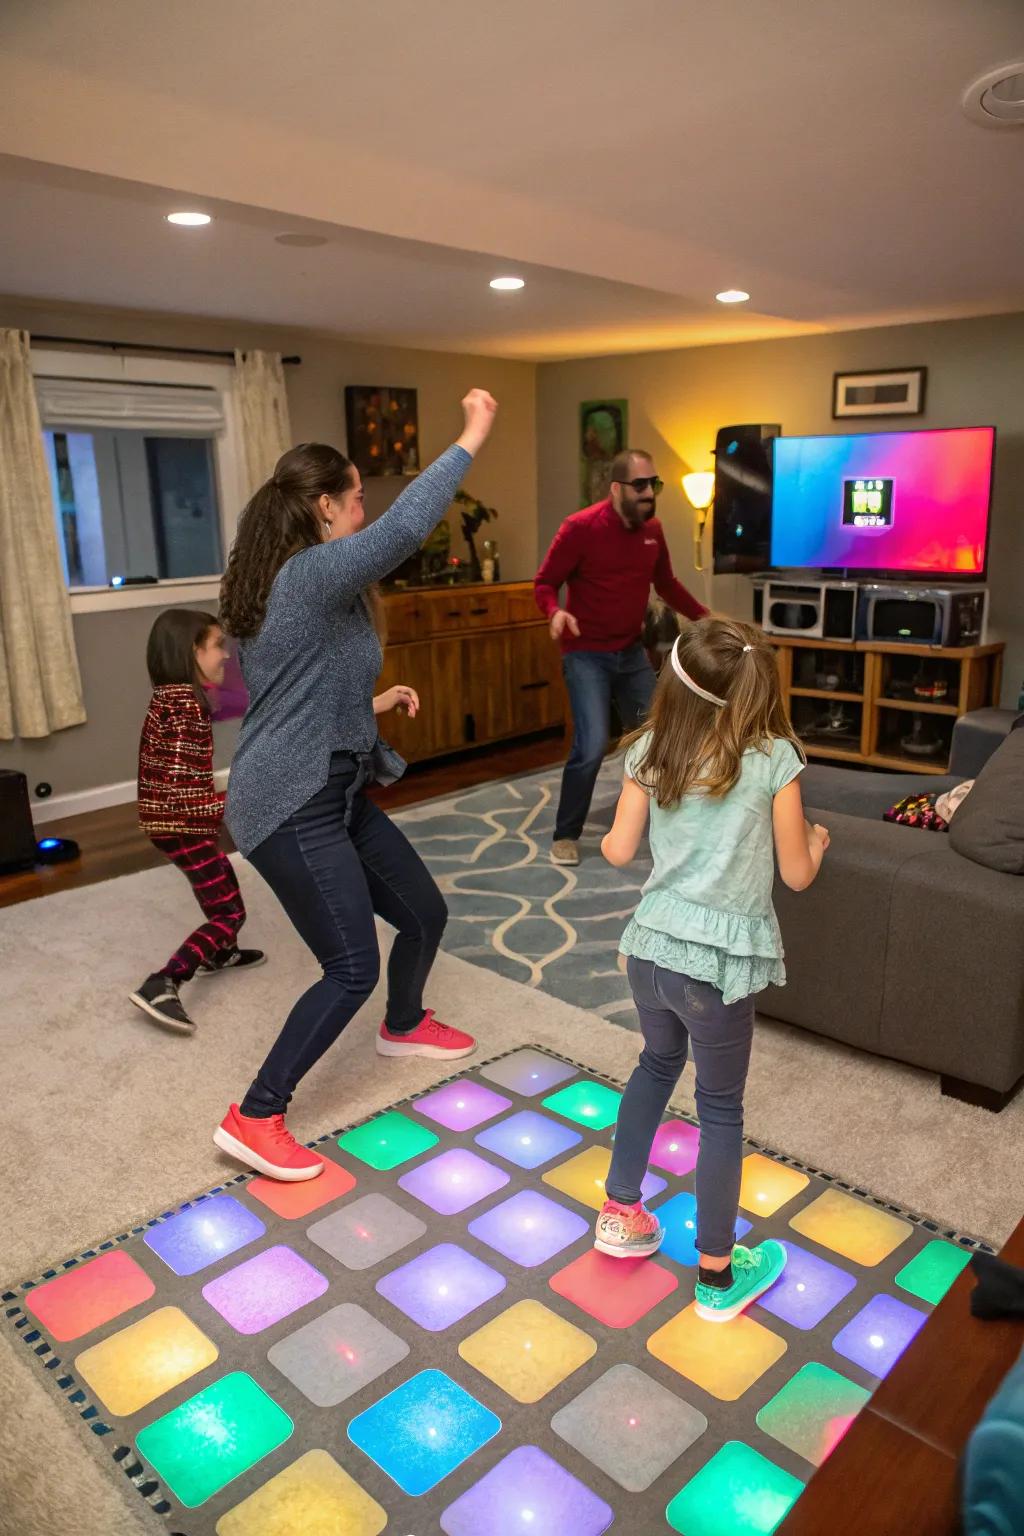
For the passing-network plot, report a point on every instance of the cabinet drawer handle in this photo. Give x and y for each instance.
(479, 610)
(454, 613)
(541, 683)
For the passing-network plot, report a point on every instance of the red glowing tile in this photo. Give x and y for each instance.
(294, 1200)
(89, 1295)
(618, 1292)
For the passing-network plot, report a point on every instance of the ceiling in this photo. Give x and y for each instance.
(628, 162)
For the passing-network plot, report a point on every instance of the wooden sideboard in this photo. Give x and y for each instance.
(482, 661)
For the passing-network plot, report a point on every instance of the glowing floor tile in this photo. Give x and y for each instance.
(258, 1293)
(618, 1292)
(453, 1181)
(675, 1147)
(461, 1105)
(387, 1140)
(527, 1491)
(527, 1350)
(582, 1178)
(529, 1228)
(205, 1233)
(858, 1231)
(528, 1072)
(629, 1426)
(807, 1289)
(440, 1286)
(876, 1337)
(931, 1272)
(305, 1195)
(313, 1495)
(767, 1185)
(338, 1354)
(89, 1295)
(139, 1363)
(528, 1139)
(738, 1492)
(813, 1411)
(678, 1216)
(214, 1437)
(367, 1231)
(588, 1103)
(723, 1358)
(423, 1430)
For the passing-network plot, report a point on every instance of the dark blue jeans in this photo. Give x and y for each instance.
(332, 865)
(676, 1011)
(594, 679)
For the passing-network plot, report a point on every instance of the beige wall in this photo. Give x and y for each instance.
(677, 400)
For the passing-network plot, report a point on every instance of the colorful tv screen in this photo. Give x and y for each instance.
(906, 503)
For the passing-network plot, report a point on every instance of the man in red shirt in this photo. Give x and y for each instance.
(607, 556)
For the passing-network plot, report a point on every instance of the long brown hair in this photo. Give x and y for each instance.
(695, 744)
(171, 648)
(281, 519)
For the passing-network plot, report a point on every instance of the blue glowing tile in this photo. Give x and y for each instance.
(206, 1232)
(807, 1289)
(529, 1228)
(528, 1139)
(527, 1491)
(453, 1181)
(679, 1218)
(439, 1287)
(876, 1337)
(423, 1430)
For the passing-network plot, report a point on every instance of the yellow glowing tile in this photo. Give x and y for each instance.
(314, 1494)
(858, 1231)
(723, 1358)
(527, 1350)
(141, 1362)
(582, 1177)
(767, 1185)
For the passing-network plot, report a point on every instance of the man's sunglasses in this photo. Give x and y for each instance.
(641, 484)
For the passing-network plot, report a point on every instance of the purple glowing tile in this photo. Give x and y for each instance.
(675, 1147)
(528, 1139)
(879, 1334)
(462, 1105)
(528, 1072)
(807, 1289)
(258, 1293)
(441, 1286)
(529, 1228)
(208, 1231)
(454, 1181)
(528, 1491)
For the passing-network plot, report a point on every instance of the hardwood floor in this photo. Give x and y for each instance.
(111, 843)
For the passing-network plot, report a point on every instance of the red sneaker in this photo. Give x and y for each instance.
(266, 1145)
(429, 1038)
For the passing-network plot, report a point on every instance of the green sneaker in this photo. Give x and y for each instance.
(753, 1271)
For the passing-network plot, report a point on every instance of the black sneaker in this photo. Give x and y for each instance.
(232, 960)
(158, 996)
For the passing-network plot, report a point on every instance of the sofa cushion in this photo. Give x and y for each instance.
(989, 826)
(858, 792)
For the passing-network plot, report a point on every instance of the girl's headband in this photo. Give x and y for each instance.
(684, 677)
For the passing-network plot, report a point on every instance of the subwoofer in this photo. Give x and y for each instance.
(17, 834)
(742, 522)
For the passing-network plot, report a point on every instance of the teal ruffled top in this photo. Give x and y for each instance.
(706, 910)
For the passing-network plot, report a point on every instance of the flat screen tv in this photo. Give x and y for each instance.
(902, 504)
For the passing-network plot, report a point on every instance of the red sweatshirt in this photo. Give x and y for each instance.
(609, 570)
(176, 788)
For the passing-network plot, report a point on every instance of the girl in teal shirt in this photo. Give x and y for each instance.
(716, 770)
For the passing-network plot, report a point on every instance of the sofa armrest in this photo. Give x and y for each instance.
(975, 737)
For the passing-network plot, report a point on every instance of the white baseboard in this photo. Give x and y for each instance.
(82, 800)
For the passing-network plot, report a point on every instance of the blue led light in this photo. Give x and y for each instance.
(50, 842)
(117, 581)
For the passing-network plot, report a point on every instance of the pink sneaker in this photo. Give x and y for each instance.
(627, 1231)
(429, 1038)
(266, 1145)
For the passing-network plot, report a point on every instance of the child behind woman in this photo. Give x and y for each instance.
(716, 767)
(180, 809)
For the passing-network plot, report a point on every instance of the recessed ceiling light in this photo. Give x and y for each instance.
(732, 296)
(508, 284)
(190, 220)
(996, 98)
(300, 241)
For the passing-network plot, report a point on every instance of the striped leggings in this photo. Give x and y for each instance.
(213, 881)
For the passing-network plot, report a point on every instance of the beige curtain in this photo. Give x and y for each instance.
(40, 686)
(263, 413)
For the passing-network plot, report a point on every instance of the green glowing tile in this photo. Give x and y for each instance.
(738, 1492)
(214, 1437)
(388, 1140)
(813, 1411)
(587, 1103)
(931, 1272)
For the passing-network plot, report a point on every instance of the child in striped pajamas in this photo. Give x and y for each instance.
(181, 811)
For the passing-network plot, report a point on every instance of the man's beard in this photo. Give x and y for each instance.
(639, 514)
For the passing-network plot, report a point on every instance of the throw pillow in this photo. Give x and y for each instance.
(989, 826)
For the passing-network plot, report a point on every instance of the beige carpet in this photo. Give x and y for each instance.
(109, 1119)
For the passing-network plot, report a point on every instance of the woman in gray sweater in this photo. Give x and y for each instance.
(299, 595)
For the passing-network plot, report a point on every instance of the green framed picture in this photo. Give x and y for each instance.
(604, 432)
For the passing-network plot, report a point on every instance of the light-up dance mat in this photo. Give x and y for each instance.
(424, 1338)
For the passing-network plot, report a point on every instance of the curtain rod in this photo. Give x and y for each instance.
(141, 346)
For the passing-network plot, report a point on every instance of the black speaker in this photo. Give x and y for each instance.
(742, 523)
(17, 835)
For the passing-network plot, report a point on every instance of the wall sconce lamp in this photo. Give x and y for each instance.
(699, 490)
